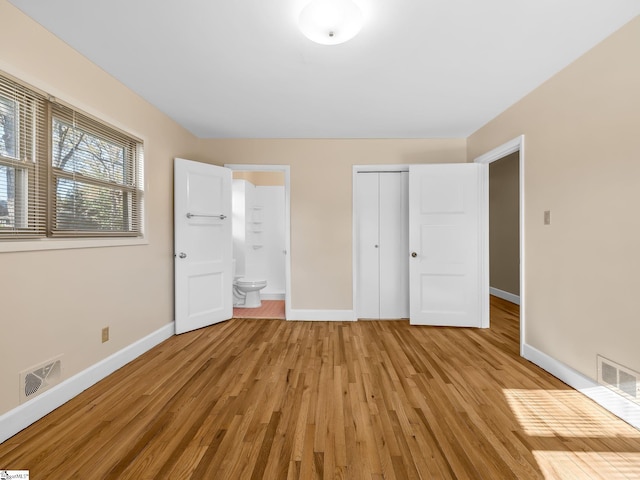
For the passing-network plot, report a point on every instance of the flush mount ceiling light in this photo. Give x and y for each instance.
(330, 22)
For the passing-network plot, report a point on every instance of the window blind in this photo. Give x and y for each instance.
(95, 177)
(23, 164)
(64, 173)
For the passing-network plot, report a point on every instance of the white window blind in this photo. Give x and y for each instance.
(23, 166)
(95, 177)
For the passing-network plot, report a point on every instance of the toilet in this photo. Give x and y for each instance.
(246, 292)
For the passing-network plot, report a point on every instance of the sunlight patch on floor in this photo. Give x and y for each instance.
(579, 465)
(564, 413)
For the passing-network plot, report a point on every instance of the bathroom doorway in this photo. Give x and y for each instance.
(261, 221)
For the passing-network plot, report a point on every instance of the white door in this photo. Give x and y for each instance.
(447, 208)
(367, 233)
(382, 244)
(394, 245)
(203, 244)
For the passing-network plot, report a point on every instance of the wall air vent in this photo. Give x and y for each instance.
(40, 378)
(619, 378)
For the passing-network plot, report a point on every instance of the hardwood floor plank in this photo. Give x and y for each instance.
(270, 399)
(265, 448)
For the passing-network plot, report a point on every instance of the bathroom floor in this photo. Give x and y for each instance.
(271, 309)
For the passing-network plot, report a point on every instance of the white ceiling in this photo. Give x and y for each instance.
(418, 68)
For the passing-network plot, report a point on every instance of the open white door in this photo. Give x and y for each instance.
(203, 244)
(448, 278)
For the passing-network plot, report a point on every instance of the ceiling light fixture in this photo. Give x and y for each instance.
(330, 22)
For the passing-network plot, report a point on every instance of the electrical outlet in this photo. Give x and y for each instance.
(547, 217)
(105, 334)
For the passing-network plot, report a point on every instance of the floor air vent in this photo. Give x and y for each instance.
(618, 378)
(38, 379)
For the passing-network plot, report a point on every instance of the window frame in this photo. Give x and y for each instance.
(132, 194)
(39, 174)
(21, 190)
(29, 160)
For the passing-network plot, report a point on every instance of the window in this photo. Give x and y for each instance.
(22, 161)
(63, 173)
(95, 177)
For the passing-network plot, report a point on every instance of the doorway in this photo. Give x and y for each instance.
(504, 231)
(512, 151)
(262, 244)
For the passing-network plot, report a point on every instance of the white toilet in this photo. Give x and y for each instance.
(246, 292)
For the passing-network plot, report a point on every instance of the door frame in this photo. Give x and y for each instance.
(354, 222)
(512, 146)
(286, 169)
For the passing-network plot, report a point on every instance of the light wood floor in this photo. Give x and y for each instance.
(251, 399)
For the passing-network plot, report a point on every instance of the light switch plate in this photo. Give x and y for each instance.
(547, 217)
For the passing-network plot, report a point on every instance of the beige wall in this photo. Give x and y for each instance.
(582, 162)
(321, 207)
(504, 229)
(56, 302)
(259, 178)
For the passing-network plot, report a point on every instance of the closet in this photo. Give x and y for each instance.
(382, 244)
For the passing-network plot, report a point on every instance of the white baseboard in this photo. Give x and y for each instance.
(24, 415)
(616, 404)
(509, 297)
(271, 296)
(322, 315)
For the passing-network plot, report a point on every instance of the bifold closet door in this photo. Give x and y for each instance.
(383, 247)
(394, 244)
(368, 284)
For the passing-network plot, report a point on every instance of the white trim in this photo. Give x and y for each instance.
(502, 151)
(381, 168)
(354, 244)
(512, 146)
(483, 244)
(286, 169)
(66, 244)
(24, 415)
(616, 404)
(322, 315)
(509, 297)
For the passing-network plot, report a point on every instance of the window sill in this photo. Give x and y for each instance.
(66, 243)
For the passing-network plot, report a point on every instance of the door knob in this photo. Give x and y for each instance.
(414, 254)
(182, 255)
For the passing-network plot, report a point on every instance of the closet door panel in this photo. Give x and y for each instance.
(394, 245)
(368, 295)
